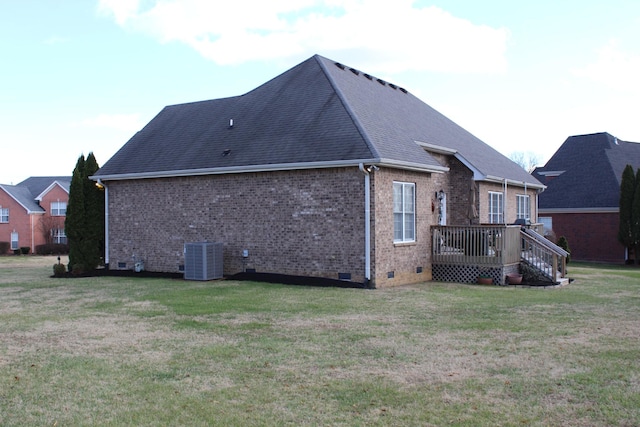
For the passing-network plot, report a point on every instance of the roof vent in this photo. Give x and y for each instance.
(226, 152)
(339, 65)
(230, 123)
(392, 86)
(368, 76)
(382, 82)
(354, 71)
(403, 90)
(615, 140)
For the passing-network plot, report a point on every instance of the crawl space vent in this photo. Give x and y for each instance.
(202, 261)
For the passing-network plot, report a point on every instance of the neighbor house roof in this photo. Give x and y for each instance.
(23, 196)
(39, 185)
(31, 190)
(318, 114)
(585, 173)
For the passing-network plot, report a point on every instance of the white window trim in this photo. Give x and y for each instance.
(56, 211)
(15, 243)
(499, 215)
(526, 199)
(2, 215)
(404, 212)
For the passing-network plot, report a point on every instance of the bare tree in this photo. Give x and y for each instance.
(48, 225)
(527, 160)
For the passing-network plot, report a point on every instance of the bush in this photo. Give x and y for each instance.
(59, 270)
(24, 250)
(4, 247)
(52, 249)
(564, 244)
(78, 269)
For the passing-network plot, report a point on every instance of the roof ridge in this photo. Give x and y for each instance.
(346, 105)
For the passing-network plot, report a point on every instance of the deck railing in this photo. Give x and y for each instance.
(545, 256)
(490, 245)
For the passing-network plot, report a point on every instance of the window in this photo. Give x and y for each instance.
(59, 236)
(496, 208)
(58, 208)
(523, 207)
(547, 223)
(404, 212)
(4, 214)
(14, 241)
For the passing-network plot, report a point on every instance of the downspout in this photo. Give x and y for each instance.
(367, 225)
(33, 243)
(106, 224)
(504, 203)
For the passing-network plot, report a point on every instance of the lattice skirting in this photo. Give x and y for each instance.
(470, 273)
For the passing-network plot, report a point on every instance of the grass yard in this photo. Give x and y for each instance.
(134, 351)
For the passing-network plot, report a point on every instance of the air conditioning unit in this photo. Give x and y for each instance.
(202, 261)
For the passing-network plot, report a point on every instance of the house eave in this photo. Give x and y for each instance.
(610, 209)
(49, 188)
(513, 182)
(270, 168)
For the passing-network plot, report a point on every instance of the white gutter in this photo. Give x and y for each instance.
(271, 168)
(367, 224)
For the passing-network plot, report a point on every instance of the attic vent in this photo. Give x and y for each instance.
(392, 86)
(382, 82)
(403, 90)
(339, 65)
(226, 152)
(354, 71)
(368, 76)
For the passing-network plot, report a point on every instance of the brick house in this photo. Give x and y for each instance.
(582, 198)
(323, 171)
(33, 212)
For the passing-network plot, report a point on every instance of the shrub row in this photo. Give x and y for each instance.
(52, 249)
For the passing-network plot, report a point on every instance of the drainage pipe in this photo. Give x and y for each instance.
(106, 223)
(367, 224)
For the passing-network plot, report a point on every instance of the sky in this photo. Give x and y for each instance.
(81, 76)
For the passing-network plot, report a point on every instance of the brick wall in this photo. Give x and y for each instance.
(45, 223)
(19, 221)
(403, 260)
(299, 222)
(591, 236)
(511, 201)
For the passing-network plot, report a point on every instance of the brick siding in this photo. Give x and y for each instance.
(591, 236)
(308, 222)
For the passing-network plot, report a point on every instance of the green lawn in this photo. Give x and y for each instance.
(133, 351)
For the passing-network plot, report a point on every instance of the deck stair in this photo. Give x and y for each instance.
(549, 259)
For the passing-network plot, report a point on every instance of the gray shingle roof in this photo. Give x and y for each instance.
(37, 184)
(590, 168)
(23, 196)
(27, 192)
(318, 112)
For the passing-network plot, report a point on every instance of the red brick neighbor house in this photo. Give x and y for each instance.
(323, 171)
(582, 198)
(32, 212)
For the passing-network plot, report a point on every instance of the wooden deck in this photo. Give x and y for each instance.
(462, 253)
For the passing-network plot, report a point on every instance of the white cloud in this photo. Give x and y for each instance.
(120, 122)
(396, 35)
(614, 68)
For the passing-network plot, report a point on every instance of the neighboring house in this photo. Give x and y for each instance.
(32, 212)
(323, 171)
(582, 198)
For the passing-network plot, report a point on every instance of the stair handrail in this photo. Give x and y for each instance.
(546, 242)
(559, 255)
